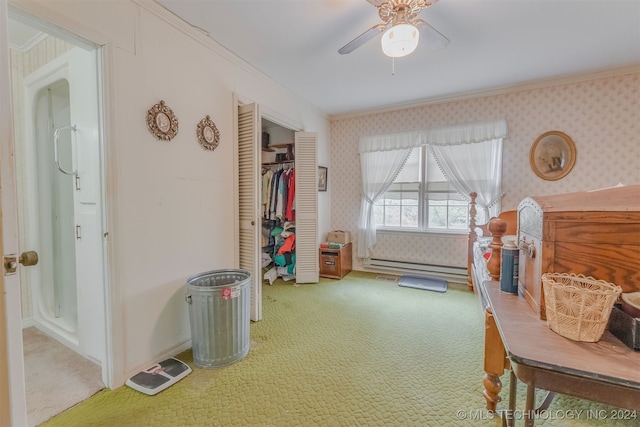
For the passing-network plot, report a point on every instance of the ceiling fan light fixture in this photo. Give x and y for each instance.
(400, 40)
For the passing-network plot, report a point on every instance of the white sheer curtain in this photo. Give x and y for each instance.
(382, 157)
(379, 169)
(466, 133)
(474, 167)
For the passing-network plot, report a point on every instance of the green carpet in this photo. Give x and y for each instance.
(357, 351)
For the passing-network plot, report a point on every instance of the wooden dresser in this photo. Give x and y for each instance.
(595, 233)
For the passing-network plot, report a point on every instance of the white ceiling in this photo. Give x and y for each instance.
(494, 44)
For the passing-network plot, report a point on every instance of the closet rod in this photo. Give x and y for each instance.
(278, 163)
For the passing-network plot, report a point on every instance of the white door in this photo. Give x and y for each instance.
(249, 202)
(13, 380)
(82, 154)
(307, 269)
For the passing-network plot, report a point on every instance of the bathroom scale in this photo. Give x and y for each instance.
(159, 376)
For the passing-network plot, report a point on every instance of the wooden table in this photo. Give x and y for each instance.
(606, 371)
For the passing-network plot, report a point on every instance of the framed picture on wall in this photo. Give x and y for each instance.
(552, 155)
(322, 178)
(208, 134)
(161, 121)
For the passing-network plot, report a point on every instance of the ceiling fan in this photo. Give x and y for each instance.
(400, 28)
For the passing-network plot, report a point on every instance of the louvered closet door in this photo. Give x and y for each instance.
(248, 199)
(306, 208)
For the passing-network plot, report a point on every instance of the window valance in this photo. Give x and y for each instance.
(448, 135)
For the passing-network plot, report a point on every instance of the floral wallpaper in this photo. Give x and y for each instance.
(601, 115)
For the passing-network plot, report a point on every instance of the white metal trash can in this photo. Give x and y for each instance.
(219, 304)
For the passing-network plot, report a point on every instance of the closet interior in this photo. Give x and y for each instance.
(278, 202)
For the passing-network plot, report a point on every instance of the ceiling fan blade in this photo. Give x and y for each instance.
(430, 36)
(362, 39)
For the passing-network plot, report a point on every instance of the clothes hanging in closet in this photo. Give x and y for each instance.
(267, 176)
(290, 212)
(278, 194)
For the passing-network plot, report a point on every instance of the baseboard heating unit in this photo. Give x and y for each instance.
(450, 274)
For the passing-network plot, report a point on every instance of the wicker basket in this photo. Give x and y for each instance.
(578, 307)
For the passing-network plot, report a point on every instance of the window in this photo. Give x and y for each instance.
(421, 199)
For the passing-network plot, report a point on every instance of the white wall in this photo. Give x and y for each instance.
(171, 204)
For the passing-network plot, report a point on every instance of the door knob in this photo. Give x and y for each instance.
(26, 259)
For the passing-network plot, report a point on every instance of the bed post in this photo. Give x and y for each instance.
(497, 227)
(472, 238)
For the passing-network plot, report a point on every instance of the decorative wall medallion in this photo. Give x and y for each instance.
(208, 134)
(161, 121)
(552, 155)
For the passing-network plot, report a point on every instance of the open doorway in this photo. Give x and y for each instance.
(60, 193)
(302, 156)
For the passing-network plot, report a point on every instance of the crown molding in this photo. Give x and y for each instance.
(537, 84)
